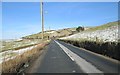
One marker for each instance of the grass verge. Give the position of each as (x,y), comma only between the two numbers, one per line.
(109,49)
(14,65)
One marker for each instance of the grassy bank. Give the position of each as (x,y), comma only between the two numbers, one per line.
(14,65)
(15,45)
(103,27)
(110,49)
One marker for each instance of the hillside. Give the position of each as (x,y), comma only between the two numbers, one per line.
(103,33)
(106,32)
(52,33)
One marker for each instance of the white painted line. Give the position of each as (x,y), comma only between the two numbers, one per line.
(104,57)
(82,63)
(68,54)
(70,57)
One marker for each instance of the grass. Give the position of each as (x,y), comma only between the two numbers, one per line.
(9,54)
(102,27)
(85,39)
(93,29)
(13,65)
(15,45)
(59,33)
(96,44)
(109,49)
(38,35)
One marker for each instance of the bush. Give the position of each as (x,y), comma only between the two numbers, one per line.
(110,49)
(80,29)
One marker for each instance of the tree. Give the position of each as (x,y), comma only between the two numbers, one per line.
(78,29)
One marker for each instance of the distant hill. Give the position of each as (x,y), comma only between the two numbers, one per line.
(69,31)
(104,33)
(104,26)
(52,33)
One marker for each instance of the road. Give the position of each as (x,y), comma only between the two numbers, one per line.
(61,57)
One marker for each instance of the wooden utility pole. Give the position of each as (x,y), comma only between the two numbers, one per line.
(49,28)
(42,19)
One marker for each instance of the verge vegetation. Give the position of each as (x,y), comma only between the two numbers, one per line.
(102,39)
(109,49)
(14,65)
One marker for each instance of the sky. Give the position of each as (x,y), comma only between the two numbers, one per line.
(23,18)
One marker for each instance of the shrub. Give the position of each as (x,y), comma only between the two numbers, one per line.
(80,29)
(110,49)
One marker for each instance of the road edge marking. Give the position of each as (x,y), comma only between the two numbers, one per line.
(85,65)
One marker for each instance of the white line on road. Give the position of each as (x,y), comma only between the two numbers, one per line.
(83,64)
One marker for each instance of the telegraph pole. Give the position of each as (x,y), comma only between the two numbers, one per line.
(49,28)
(42,19)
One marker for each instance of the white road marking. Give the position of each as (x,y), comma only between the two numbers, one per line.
(82,63)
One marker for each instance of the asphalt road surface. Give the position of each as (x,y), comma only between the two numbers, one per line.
(61,57)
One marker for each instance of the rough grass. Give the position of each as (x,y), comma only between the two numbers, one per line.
(37,36)
(102,27)
(58,33)
(24,47)
(13,65)
(9,55)
(110,49)
(15,45)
